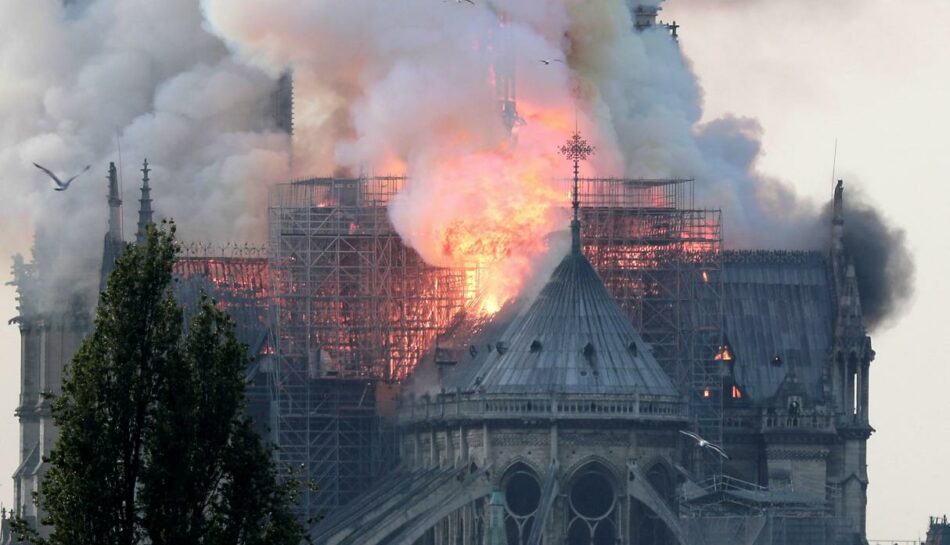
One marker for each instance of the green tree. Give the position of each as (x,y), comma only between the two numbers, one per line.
(153,445)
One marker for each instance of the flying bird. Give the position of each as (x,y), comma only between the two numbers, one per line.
(546,61)
(460,1)
(60,185)
(702,443)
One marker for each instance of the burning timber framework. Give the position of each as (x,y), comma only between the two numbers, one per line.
(661,259)
(352,305)
(236,278)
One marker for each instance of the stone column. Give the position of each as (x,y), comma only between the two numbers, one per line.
(449,448)
(865,391)
(849,404)
(486,444)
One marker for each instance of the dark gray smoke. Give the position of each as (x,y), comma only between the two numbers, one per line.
(882,260)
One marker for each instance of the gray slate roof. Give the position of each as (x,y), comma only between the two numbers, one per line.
(778,303)
(542,349)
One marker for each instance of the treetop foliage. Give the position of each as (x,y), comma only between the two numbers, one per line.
(153,445)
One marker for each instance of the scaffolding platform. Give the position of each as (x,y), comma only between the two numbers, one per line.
(351,302)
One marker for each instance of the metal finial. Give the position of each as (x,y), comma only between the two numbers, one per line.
(145,170)
(576,149)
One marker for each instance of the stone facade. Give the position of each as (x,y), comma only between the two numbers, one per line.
(488,457)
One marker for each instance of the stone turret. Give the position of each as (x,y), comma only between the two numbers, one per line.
(113,244)
(643,16)
(850,372)
(145,205)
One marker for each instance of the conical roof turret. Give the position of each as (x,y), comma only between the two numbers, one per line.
(572,339)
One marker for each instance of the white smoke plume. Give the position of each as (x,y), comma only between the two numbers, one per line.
(408,87)
(412,87)
(80,80)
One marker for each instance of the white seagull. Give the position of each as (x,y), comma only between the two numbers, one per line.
(702,443)
(61,185)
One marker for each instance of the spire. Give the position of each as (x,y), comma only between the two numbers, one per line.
(849,317)
(115,205)
(145,205)
(113,244)
(837,220)
(576,149)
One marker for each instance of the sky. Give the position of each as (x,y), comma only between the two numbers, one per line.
(873,75)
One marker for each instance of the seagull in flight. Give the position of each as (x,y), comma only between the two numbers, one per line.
(702,443)
(546,61)
(60,185)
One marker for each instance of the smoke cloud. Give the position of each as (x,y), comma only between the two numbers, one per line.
(82,80)
(411,87)
(883,263)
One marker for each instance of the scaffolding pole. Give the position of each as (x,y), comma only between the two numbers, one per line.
(352,305)
(661,259)
(352,302)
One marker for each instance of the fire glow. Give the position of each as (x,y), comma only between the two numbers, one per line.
(491,210)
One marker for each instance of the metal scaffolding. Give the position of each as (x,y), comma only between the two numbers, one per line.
(340,444)
(723,509)
(351,302)
(351,299)
(662,260)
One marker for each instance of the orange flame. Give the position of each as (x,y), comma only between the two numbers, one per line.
(493,209)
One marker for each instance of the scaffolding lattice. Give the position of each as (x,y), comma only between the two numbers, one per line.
(351,302)
(661,259)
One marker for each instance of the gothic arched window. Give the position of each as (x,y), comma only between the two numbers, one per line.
(522,492)
(593,506)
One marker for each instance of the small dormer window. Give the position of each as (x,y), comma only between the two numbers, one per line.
(535,346)
(794,405)
(632,347)
(501,347)
(472,350)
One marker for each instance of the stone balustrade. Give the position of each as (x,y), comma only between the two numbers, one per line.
(606,407)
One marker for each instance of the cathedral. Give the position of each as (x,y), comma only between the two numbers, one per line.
(554,422)
(556,419)
(657,390)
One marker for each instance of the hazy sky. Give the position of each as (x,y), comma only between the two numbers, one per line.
(874,74)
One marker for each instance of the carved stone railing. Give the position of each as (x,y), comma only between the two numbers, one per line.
(785,421)
(500,407)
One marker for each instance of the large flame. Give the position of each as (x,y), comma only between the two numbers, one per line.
(491,210)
